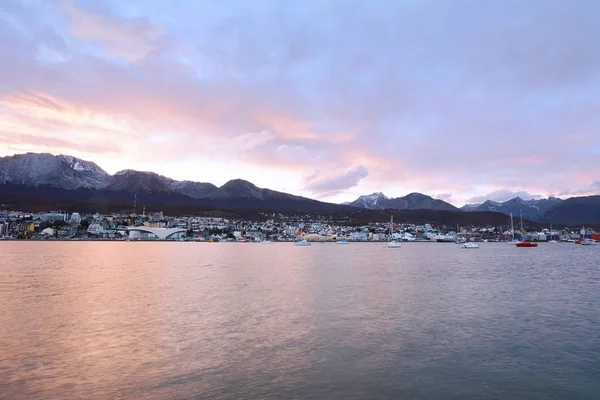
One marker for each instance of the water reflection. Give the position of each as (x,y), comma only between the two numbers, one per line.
(180,320)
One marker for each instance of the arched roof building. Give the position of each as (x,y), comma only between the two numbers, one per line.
(160,233)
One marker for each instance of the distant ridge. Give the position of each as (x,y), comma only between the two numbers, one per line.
(534,210)
(42,182)
(412,201)
(36,180)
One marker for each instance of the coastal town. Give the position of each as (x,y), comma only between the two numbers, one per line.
(60,225)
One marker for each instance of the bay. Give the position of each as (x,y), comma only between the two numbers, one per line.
(157,320)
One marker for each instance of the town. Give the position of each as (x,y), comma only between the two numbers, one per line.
(60,225)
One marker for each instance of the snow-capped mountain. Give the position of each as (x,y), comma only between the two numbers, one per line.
(419,201)
(488,205)
(67,172)
(412,201)
(45,182)
(373,201)
(26,178)
(470,207)
(533,210)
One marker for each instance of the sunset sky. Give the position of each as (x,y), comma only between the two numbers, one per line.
(462,100)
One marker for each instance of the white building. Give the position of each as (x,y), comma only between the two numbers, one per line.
(54,216)
(75,219)
(48,232)
(95,229)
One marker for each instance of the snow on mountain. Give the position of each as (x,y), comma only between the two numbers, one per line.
(373,201)
(412,201)
(67,172)
(533,210)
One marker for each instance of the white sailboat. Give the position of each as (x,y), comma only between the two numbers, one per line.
(393,244)
(552,236)
(524,243)
(512,231)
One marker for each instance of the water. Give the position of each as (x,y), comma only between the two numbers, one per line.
(102,320)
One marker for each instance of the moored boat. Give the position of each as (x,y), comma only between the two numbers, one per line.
(470,245)
(526,244)
(445,239)
(393,244)
(302,243)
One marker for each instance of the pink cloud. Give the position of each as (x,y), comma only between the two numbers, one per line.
(131,39)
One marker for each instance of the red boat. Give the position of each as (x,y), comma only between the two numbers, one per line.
(526,244)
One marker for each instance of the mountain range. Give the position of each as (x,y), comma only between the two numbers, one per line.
(412,201)
(576,210)
(36,182)
(533,210)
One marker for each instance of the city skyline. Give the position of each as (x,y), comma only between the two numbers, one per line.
(330,100)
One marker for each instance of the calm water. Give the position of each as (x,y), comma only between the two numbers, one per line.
(249,321)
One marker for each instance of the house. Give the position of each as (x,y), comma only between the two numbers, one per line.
(48,232)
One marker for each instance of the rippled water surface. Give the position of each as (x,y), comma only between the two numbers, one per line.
(102,320)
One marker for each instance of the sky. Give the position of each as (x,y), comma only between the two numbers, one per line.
(463,100)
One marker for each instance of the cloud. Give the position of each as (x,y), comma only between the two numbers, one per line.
(330,185)
(503,195)
(443,196)
(129,38)
(592,189)
(475,101)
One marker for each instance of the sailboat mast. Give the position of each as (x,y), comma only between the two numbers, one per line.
(521,211)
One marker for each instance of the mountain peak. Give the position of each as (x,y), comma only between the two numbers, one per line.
(240,188)
(44,169)
(417,194)
(373,201)
(239,182)
(412,201)
(534,209)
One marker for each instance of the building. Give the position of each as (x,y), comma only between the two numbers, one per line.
(95,229)
(359,235)
(48,232)
(75,219)
(54,216)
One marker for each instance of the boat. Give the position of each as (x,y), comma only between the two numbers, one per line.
(342,242)
(588,242)
(526,244)
(459,239)
(302,243)
(469,245)
(445,239)
(393,244)
(512,231)
(266,242)
(552,241)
